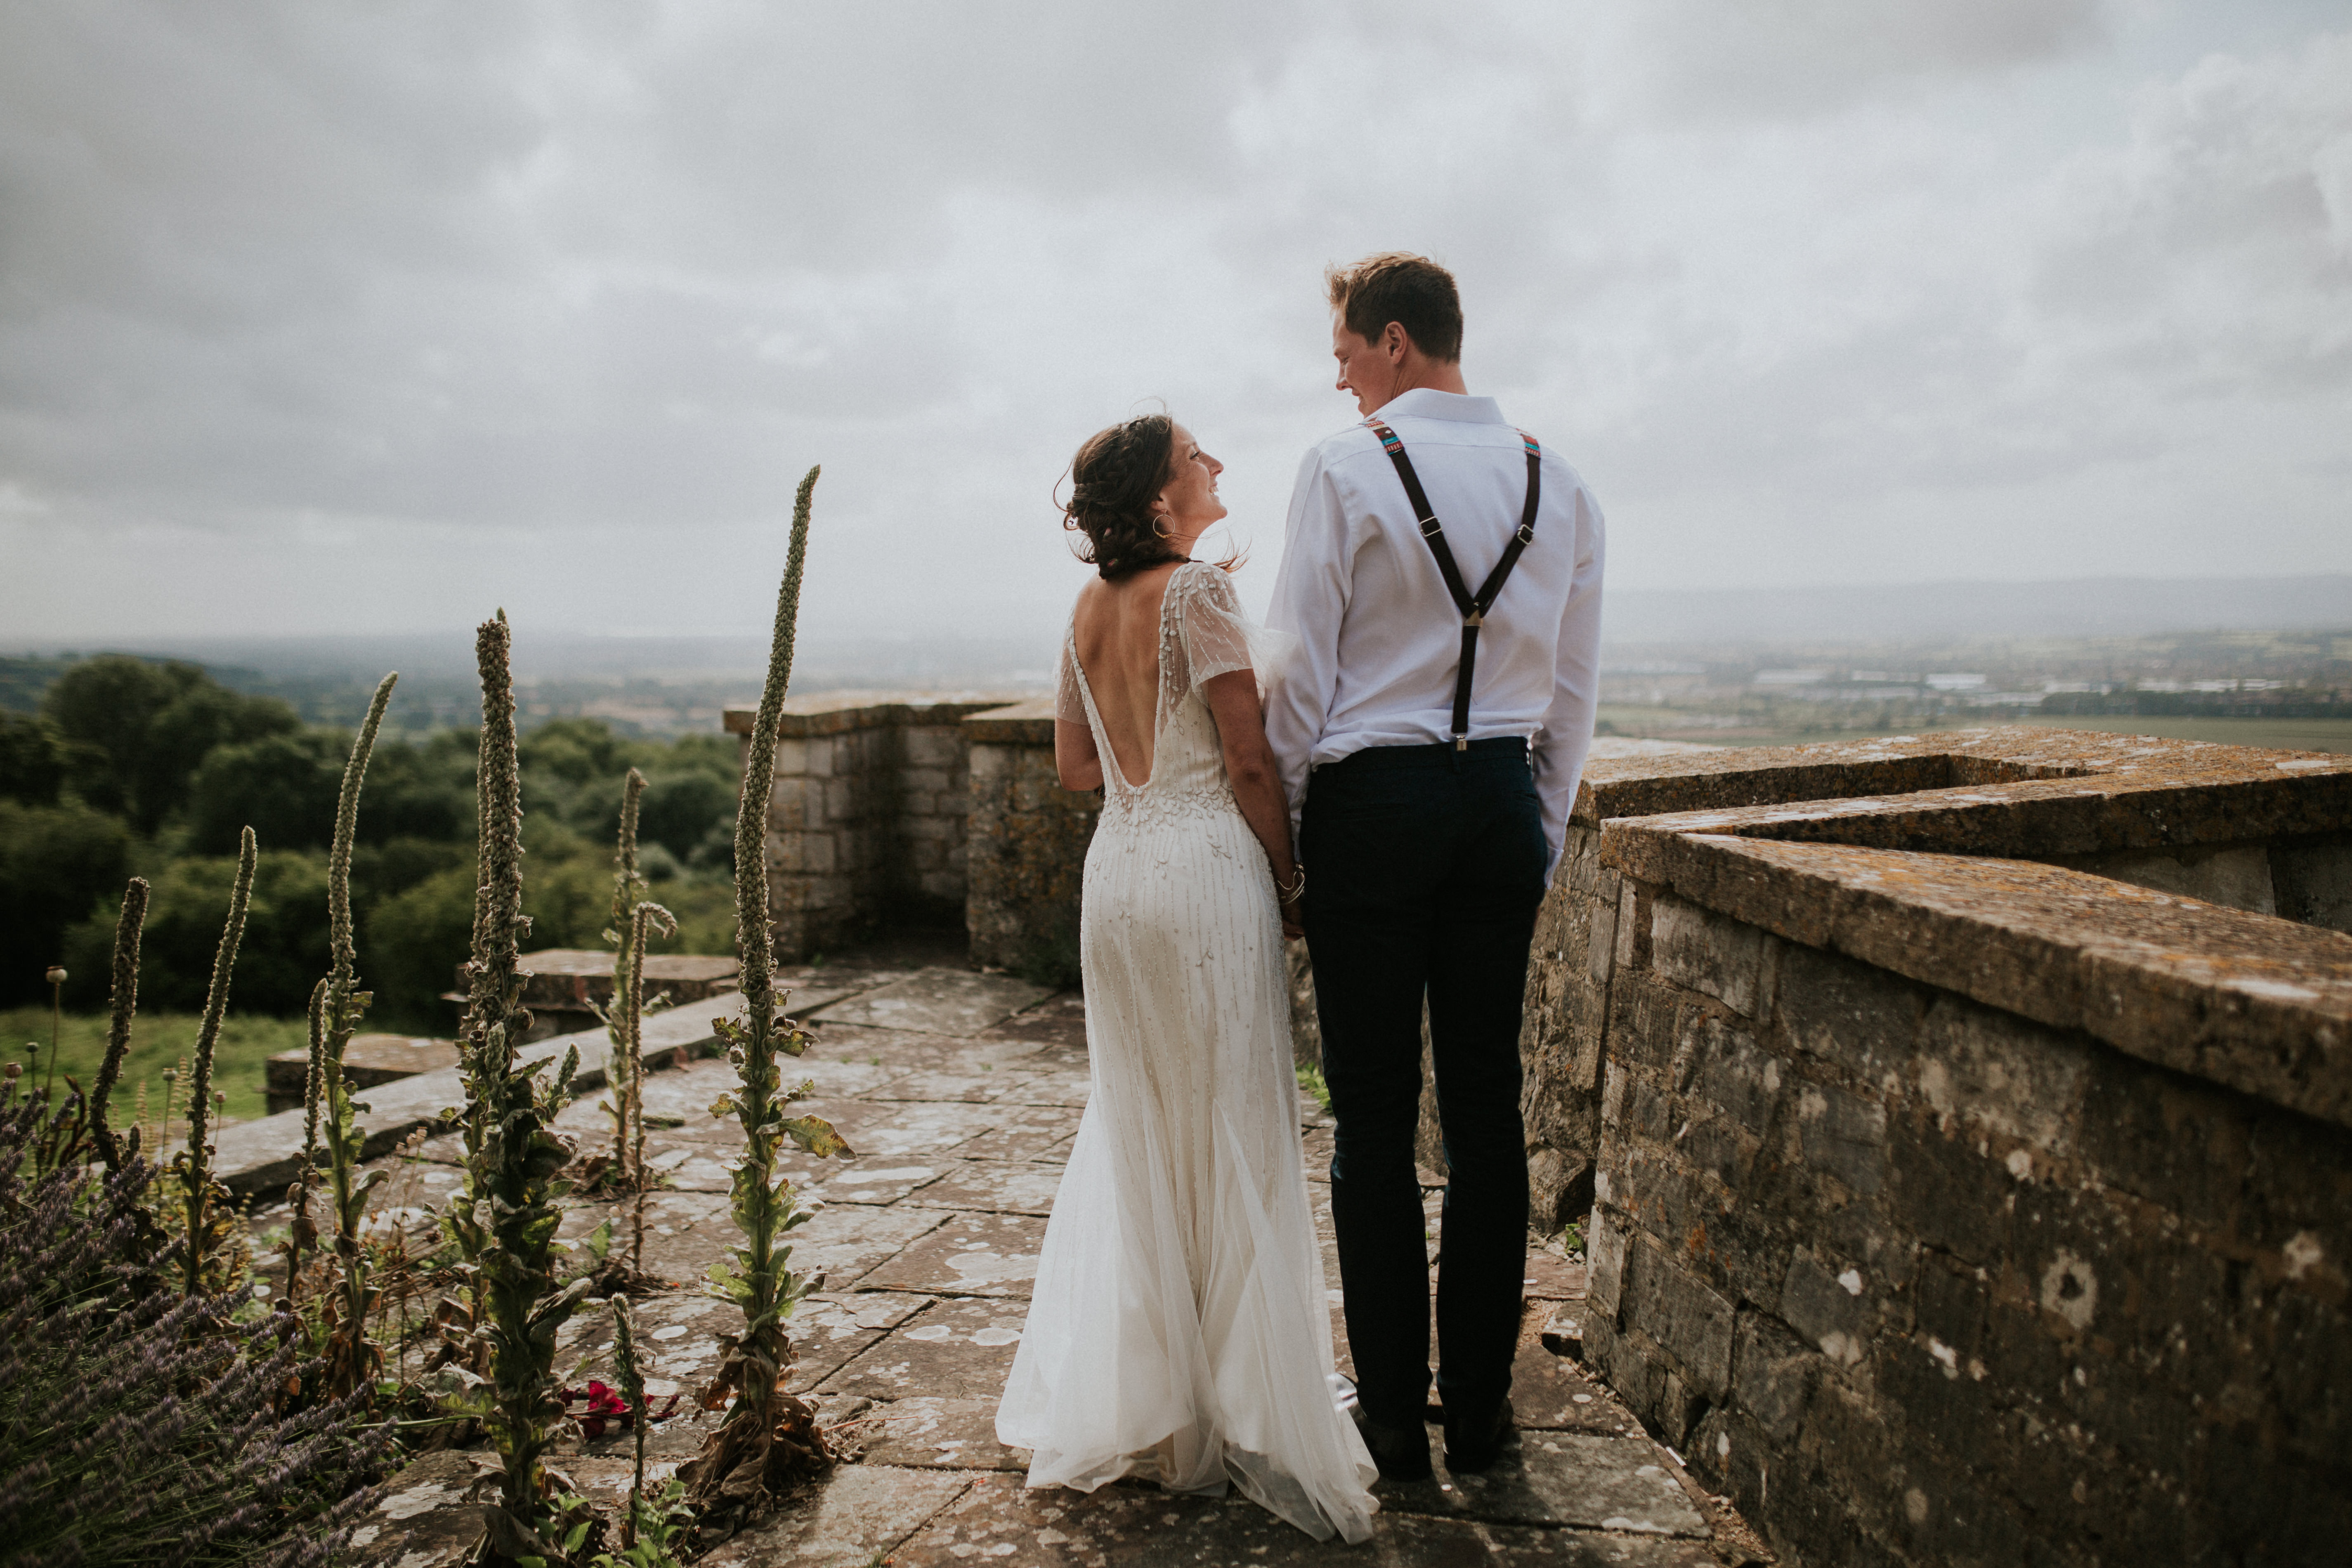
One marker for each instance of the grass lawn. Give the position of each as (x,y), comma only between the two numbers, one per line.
(158,1040)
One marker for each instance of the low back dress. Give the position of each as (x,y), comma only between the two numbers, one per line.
(1179,1329)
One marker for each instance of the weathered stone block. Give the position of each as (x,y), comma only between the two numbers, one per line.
(1844,1135)
(934,746)
(1772,1374)
(1990,1071)
(1695,947)
(803,852)
(924,783)
(1731,1072)
(1605,1257)
(791,758)
(1826,1309)
(1677,1310)
(2312,880)
(1861,1020)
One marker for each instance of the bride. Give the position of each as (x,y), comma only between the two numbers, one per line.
(1179,1330)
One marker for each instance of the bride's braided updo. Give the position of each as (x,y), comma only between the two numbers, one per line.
(1114,480)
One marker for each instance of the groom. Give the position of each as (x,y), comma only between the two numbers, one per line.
(1442,571)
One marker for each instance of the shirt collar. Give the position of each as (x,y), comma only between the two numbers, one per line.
(1427,403)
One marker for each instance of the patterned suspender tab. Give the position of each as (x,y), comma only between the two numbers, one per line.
(1473,607)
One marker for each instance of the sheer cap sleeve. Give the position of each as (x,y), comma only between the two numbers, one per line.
(1069,702)
(1218,636)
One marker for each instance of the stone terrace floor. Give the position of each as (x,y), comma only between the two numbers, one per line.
(961,1092)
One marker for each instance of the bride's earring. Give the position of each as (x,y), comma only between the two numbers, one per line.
(1158,529)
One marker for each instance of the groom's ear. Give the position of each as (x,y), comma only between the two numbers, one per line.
(1395,341)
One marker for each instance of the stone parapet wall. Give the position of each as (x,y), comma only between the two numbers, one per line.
(1025,846)
(1957,1200)
(866,817)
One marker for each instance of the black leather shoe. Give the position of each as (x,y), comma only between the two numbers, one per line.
(1401,1452)
(1476,1444)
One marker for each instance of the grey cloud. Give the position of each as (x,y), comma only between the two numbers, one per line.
(551,306)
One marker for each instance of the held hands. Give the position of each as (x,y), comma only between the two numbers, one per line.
(1291,895)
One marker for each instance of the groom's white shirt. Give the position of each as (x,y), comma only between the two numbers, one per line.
(1379,636)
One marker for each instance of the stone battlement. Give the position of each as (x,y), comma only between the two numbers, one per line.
(928,809)
(1966,1125)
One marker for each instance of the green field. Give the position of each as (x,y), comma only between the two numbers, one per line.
(2278,734)
(157,1041)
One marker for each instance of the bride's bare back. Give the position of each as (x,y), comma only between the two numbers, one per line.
(1118,629)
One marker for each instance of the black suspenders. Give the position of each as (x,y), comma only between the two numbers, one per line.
(1473,607)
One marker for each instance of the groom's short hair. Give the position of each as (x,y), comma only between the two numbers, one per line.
(1397,285)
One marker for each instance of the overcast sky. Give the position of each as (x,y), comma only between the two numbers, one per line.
(373,317)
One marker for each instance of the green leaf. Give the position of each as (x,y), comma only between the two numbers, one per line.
(817,1135)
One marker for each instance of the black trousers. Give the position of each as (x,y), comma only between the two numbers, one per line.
(1426,871)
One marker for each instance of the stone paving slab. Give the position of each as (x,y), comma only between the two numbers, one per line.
(939,1002)
(854,1520)
(1057,1086)
(970,1255)
(939,1054)
(847,1242)
(999,1520)
(1562,1479)
(985,1087)
(1550,1392)
(1551,1278)
(952,1350)
(1021,1132)
(1058,1020)
(938,1434)
(1515,1547)
(1003,1186)
(920,1127)
(875,1179)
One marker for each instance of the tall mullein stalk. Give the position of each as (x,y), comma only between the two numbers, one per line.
(504,1223)
(125,1006)
(632,1049)
(302,1231)
(210,1222)
(633,1389)
(628,961)
(769,1437)
(352,1358)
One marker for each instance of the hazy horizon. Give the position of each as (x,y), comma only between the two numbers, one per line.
(364,321)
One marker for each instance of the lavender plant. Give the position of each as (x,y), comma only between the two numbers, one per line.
(354,1359)
(506,1219)
(138,1425)
(770,1437)
(211,1223)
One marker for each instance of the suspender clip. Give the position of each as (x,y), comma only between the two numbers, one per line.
(1475,618)
(1461,742)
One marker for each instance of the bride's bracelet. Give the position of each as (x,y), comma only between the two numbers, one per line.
(1296,889)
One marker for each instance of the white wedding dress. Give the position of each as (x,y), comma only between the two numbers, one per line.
(1179,1330)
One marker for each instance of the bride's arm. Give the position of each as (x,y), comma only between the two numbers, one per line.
(1075,757)
(1250,767)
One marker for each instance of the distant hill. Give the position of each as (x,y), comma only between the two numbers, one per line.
(1954,612)
(328,678)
